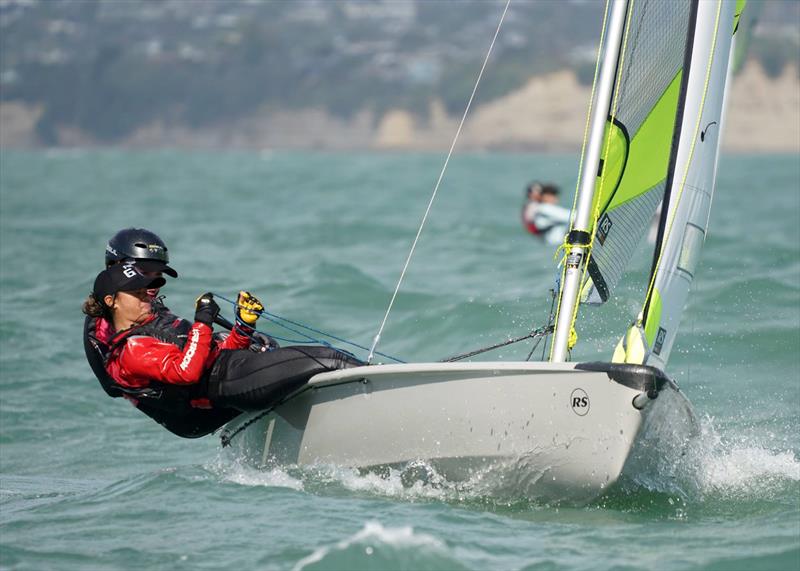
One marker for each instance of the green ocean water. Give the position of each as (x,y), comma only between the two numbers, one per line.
(87,482)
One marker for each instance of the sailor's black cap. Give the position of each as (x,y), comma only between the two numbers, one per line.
(127,276)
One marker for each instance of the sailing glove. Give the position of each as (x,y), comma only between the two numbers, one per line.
(206,309)
(248,309)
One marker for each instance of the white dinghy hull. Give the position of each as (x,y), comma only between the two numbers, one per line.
(556,430)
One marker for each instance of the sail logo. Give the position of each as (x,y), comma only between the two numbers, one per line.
(704,131)
(579,401)
(660,338)
(603,228)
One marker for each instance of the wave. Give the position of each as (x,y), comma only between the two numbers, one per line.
(379,547)
(711,474)
(708,474)
(242,474)
(739,469)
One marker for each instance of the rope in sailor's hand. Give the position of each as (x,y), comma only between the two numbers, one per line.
(297,327)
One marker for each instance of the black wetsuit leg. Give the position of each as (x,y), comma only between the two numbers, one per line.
(250,381)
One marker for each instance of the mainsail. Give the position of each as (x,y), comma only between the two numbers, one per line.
(644,108)
(659,146)
(687,205)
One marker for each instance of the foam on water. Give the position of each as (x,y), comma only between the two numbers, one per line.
(417,481)
(709,468)
(706,468)
(508,485)
(372,542)
(424,482)
(231,470)
(738,468)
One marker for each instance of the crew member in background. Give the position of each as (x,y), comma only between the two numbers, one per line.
(177,367)
(541,214)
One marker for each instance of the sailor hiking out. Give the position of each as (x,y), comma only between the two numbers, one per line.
(177,372)
(150,253)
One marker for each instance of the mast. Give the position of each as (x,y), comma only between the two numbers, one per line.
(580,232)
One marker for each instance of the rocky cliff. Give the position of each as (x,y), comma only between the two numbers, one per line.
(546,114)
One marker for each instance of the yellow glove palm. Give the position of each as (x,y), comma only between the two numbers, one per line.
(249,308)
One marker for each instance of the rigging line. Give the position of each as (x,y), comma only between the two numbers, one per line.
(535,344)
(534,334)
(377,338)
(550,318)
(277,319)
(227,435)
(308,337)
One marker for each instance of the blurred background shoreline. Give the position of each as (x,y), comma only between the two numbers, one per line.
(344,75)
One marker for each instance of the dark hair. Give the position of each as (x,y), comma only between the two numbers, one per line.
(94,308)
(534,186)
(550,188)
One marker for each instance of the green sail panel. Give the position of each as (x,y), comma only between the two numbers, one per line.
(639,137)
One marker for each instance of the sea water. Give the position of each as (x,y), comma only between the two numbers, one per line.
(87,482)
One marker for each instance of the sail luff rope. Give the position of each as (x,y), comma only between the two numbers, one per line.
(436,187)
(564,248)
(674,211)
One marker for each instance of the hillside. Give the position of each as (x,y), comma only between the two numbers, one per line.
(340,74)
(547,114)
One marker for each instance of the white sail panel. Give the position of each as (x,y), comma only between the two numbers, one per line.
(687,204)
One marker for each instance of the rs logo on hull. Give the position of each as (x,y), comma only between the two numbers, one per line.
(579,401)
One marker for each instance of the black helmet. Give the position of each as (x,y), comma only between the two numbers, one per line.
(137,244)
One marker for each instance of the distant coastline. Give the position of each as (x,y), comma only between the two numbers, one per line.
(547,114)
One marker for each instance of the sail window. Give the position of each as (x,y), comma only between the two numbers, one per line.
(693,238)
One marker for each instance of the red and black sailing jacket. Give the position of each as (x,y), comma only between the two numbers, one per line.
(528,220)
(180,408)
(164,351)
